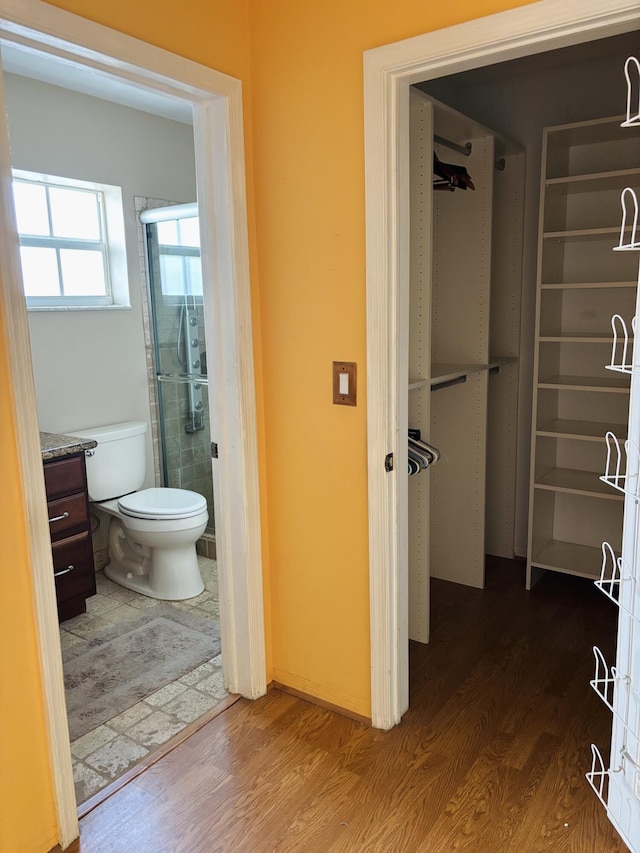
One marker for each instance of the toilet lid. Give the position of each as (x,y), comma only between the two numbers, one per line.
(162,503)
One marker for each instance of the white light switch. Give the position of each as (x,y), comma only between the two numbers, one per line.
(344,383)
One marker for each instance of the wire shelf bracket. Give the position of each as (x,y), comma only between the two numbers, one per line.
(622,352)
(626,482)
(629,229)
(605,681)
(614,575)
(598,777)
(632,73)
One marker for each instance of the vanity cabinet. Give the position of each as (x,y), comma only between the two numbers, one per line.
(70,528)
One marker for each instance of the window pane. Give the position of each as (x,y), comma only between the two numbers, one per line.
(172,275)
(74,213)
(168,233)
(31,209)
(82,272)
(194,272)
(39,271)
(189,232)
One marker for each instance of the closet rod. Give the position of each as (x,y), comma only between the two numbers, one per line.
(449,382)
(466,149)
(461,149)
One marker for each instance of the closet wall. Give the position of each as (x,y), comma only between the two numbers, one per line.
(463,346)
(519,99)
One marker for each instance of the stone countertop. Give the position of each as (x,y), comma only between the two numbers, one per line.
(56,446)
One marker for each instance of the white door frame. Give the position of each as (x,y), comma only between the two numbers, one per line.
(389,71)
(219,151)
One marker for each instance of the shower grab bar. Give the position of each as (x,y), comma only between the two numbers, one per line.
(182,378)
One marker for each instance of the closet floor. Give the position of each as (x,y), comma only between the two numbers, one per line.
(490,757)
(107,751)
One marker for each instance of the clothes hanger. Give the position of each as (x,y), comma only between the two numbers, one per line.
(451,176)
(420,446)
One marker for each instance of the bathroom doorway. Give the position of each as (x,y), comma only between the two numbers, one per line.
(138,670)
(176,354)
(123,64)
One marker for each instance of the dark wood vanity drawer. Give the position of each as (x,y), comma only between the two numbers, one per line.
(64,476)
(73,566)
(67,513)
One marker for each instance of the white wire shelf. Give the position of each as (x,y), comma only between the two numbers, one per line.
(599,777)
(622,346)
(629,229)
(601,781)
(616,581)
(605,682)
(624,478)
(632,74)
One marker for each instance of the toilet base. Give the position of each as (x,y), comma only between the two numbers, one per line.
(173,575)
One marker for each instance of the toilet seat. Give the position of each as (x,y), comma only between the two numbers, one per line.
(163,503)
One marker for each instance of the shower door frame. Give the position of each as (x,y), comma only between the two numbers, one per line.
(221,188)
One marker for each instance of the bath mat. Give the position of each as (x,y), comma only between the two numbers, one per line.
(128,662)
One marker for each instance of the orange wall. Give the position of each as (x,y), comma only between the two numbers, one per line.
(27,816)
(307,89)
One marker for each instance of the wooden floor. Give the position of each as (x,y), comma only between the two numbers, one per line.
(490,757)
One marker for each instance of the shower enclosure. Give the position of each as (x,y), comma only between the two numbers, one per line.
(172,243)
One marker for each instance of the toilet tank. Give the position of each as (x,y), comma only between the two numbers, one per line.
(118,464)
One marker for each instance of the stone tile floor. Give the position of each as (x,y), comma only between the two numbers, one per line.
(105,753)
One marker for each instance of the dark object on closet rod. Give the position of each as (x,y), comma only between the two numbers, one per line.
(448,383)
(461,149)
(421,454)
(500,164)
(450,176)
(495,369)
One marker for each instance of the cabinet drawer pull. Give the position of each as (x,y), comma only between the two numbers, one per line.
(64,571)
(59,517)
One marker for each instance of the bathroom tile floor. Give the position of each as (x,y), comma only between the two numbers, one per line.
(102,755)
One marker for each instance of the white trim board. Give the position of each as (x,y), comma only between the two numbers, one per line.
(388,73)
(219,144)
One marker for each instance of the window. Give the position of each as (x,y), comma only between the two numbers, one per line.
(179,249)
(71,242)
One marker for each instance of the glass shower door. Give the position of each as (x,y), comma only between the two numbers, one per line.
(175,279)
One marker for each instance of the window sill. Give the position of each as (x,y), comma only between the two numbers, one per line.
(37,308)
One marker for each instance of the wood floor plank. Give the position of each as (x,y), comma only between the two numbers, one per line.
(489,758)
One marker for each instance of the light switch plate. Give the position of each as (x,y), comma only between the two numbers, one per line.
(344,383)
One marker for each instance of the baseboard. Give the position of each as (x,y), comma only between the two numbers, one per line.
(322,703)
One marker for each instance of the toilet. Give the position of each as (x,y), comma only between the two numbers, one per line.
(152,532)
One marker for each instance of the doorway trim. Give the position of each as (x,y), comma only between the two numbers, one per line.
(389,71)
(221,189)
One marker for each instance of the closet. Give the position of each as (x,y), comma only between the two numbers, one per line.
(582,240)
(581,282)
(464,342)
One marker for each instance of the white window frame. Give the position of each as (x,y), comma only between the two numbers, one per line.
(112,244)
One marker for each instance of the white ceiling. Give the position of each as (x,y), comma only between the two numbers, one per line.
(40,66)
